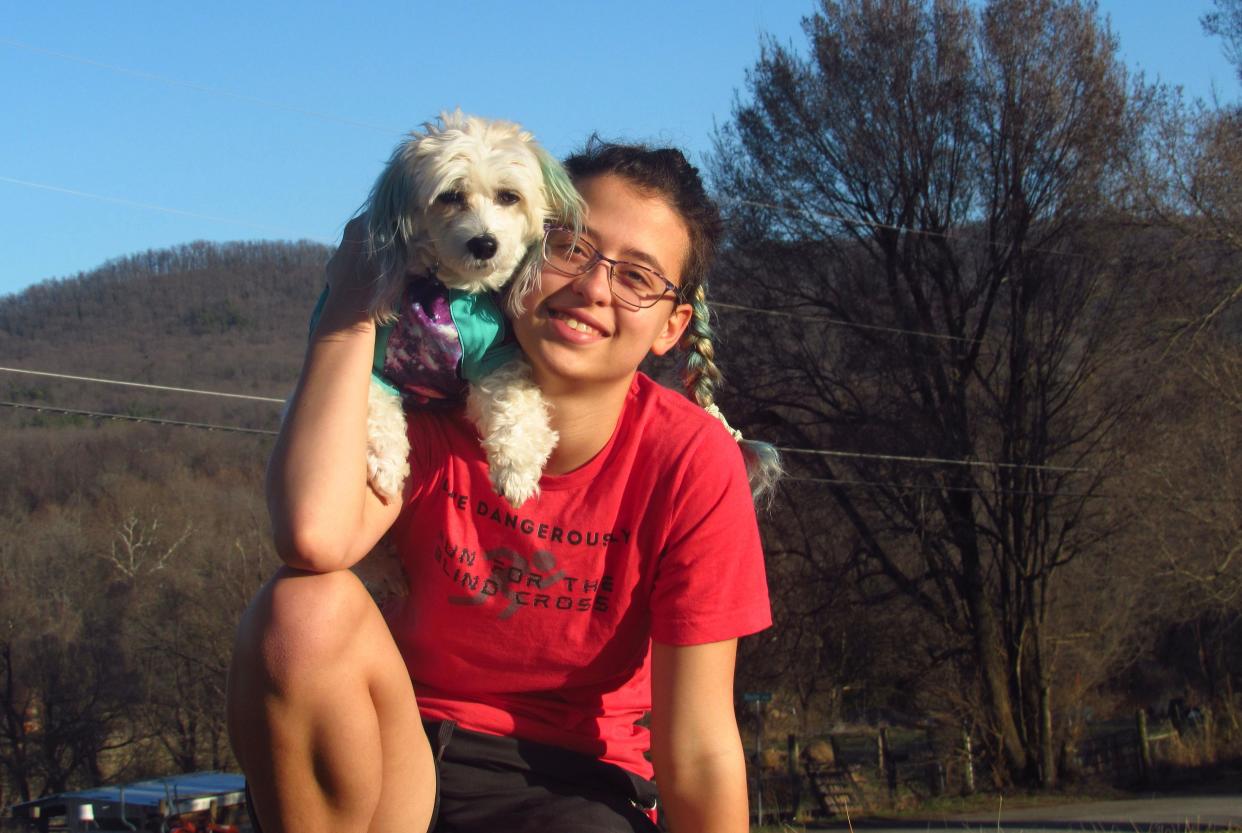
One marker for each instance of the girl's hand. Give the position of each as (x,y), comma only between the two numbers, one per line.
(351,278)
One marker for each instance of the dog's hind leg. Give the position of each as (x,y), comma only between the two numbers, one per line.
(388,447)
(512,417)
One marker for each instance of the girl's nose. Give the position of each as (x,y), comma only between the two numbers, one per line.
(594,284)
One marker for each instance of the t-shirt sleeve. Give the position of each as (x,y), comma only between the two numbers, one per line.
(710,583)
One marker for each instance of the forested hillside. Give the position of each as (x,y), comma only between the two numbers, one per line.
(229,317)
(128,549)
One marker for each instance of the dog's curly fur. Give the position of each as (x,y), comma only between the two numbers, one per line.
(465,201)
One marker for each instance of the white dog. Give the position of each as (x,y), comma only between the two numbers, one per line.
(459,210)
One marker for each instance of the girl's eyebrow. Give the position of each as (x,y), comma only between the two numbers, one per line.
(629,254)
(638,254)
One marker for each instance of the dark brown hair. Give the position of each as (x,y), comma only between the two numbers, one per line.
(667,173)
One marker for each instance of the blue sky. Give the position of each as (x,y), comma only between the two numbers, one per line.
(271,120)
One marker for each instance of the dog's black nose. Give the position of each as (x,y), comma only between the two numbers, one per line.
(482,247)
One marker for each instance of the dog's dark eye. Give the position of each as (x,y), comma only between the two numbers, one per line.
(451,198)
(508,198)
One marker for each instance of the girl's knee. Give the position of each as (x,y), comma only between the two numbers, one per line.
(304,624)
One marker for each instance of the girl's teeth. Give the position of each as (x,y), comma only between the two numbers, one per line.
(575,324)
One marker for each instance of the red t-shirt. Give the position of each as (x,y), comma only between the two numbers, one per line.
(537,622)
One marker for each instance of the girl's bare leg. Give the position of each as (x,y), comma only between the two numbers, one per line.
(322,714)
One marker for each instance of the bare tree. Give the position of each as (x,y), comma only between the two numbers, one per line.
(1225,21)
(1186,183)
(138,548)
(917,208)
(65,690)
(1185,180)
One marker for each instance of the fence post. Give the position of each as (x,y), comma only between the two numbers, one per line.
(881,752)
(885,755)
(1144,747)
(795,783)
(759,763)
(968,768)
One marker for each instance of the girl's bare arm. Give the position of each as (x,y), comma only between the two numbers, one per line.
(695,745)
(324,515)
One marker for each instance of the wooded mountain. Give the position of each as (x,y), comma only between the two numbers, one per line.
(229,317)
(128,550)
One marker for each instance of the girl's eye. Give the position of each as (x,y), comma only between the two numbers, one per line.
(632,275)
(451,198)
(568,248)
(508,198)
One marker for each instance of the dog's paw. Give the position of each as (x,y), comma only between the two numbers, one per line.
(388,448)
(514,484)
(513,422)
(386,475)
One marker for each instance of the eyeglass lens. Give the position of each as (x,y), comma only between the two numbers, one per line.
(630,282)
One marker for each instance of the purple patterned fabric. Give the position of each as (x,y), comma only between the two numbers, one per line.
(424,350)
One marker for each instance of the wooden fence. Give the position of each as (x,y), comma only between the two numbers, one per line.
(857,773)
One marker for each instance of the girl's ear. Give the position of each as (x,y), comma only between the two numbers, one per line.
(673,329)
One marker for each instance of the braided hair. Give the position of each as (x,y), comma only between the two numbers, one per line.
(665,172)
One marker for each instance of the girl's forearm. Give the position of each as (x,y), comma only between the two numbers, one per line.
(317,478)
(317,489)
(706,796)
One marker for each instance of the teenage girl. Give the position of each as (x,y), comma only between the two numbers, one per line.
(504,693)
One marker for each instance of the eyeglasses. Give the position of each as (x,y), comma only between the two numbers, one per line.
(633,285)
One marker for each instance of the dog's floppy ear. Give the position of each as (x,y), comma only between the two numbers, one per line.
(393,227)
(565,207)
(565,204)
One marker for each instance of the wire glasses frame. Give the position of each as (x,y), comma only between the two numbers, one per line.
(631,283)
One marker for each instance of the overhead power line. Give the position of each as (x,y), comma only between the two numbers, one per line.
(928,487)
(146,206)
(140,385)
(47,409)
(935,487)
(200,88)
(859,221)
(840,322)
(815,451)
(872,484)
(899,458)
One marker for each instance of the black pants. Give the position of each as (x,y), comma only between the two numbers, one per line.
(489,784)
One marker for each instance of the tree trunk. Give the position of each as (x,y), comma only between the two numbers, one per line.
(1047,754)
(996,691)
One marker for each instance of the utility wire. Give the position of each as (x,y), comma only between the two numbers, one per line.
(926,487)
(43,186)
(140,385)
(318,114)
(823,319)
(44,409)
(929,487)
(201,88)
(874,484)
(819,452)
(929,460)
(859,221)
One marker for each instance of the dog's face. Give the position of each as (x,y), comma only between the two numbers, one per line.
(488,207)
(478,191)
